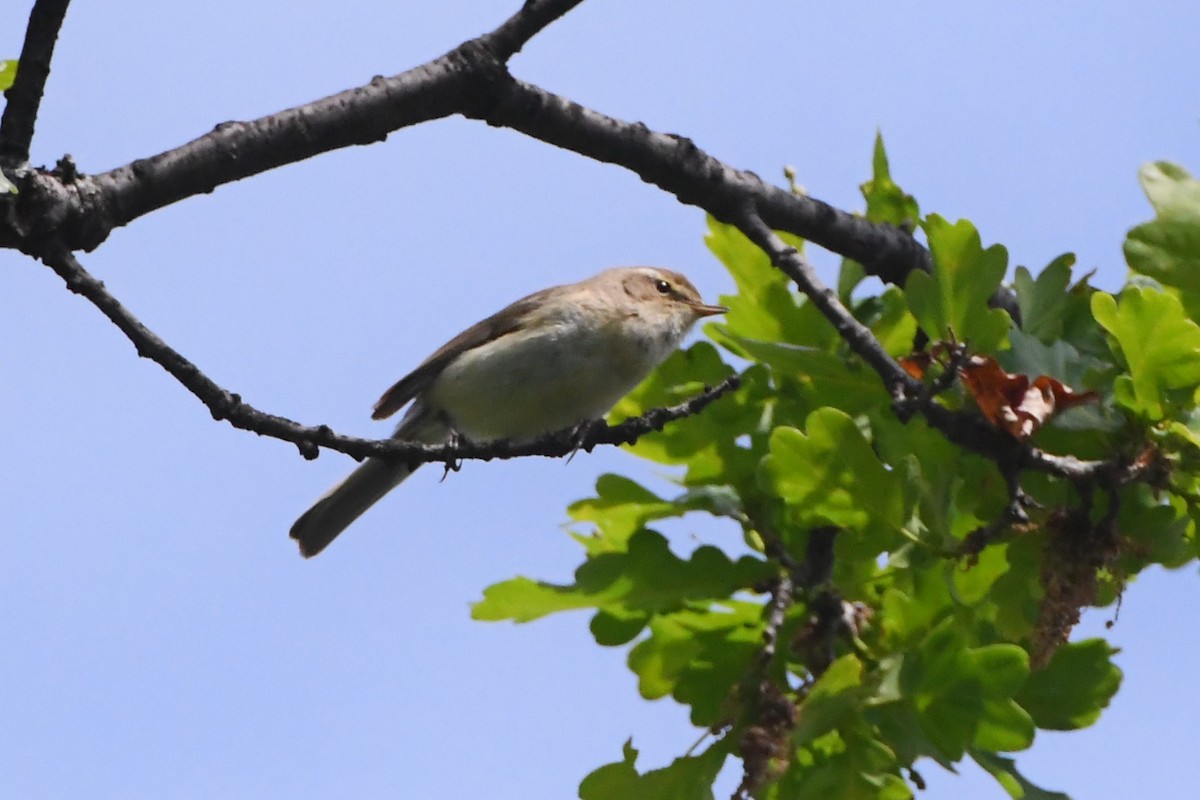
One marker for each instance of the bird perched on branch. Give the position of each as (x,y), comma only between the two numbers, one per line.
(550,361)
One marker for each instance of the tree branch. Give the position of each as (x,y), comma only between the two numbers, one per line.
(966,430)
(787,259)
(507,40)
(228,406)
(25,95)
(82,210)
(60,211)
(236,150)
(472,80)
(676,165)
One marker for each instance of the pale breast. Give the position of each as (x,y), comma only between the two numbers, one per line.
(532,382)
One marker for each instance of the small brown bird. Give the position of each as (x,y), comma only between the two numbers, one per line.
(557,358)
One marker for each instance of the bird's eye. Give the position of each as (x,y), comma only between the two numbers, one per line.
(664,287)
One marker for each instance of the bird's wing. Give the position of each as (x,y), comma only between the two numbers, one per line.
(512,318)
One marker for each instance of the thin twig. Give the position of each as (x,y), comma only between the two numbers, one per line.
(77,211)
(781,601)
(818,640)
(507,40)
(966,430)
(226,405)
(1013,513)
(856,335)
(25,95)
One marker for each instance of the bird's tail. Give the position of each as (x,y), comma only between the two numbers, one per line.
(345,503)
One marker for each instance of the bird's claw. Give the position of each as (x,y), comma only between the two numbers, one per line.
(452,464)
(580,434)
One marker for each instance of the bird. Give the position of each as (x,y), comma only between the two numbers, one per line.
(555,359)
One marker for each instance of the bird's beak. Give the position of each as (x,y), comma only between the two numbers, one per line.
(705,310)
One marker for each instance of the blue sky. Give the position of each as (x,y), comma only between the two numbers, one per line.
(162,637)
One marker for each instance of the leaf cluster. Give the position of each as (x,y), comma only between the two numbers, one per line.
(870,595)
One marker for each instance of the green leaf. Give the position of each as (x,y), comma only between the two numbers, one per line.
(1031,356)
(1004,668)
(899,725)
(894,326)
(887,202)
(955,491)
(681,376)
(952,299)
(1157,531)
(8,73)
(1079,325)
(1072,690)
(831,476)
(1004,770)
(684,375)
(850,765)
(613,626)
(972,581)
(649,577)
(523,599)
(907,616)
(697,656)
(850,275)
(963,694)
(1159,343)
(1003,726)
(834,698)
(687,778)
(1017,593)
(1043,301)
(827,377)
(765,306)
(620,509)
(1168,247)
(948,707)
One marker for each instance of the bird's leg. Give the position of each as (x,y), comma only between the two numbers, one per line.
(580,433)
(454,439)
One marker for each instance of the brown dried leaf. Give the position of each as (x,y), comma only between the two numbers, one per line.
(1011,402)
(916,365)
